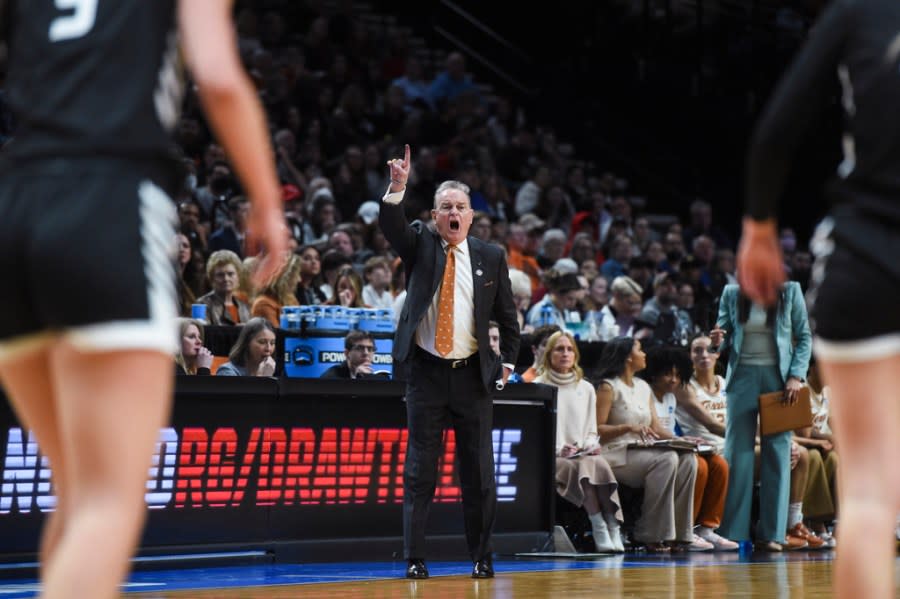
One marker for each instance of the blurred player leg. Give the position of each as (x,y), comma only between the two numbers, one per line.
(111,407)
(867,416)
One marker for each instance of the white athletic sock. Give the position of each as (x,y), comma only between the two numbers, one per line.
(795,514)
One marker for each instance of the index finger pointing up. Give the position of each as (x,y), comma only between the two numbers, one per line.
(406,157)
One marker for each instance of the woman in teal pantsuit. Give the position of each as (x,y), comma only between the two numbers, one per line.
(769,351)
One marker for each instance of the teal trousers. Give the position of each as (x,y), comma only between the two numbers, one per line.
(742,414)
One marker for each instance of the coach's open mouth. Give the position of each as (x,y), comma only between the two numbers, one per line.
(454,225)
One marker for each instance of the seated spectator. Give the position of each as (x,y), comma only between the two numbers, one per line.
(597,296)
(279,293)
(191,357)
(671,324)
(538,345)
(529,193)
(186,296)
(359,349)
(481,226)
(641,271)
(566,265)
(655,255)
(563,294)
(323,215)
(341,240)
(555,207)
(348,290)
(521,290)
(617,261)
(589,270)
(701,223)
(517,256)
(308,292)
(643,234)
(191,227)
(820,494)
(585,480)
(666,368)
(452,82)
(617,318)
(553,246)
(222,307)
(626,415)
(333,262)
(376,292)
(245,290)
(251,354)
(494,336)
(414,85)
(582,249)
(233,236)
(398,288)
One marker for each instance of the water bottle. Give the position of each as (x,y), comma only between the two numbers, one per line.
(198,312)
(293,316)
(593,330)
(386,319)
(353,317)
(546,314)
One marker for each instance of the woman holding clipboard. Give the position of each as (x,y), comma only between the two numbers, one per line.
(769,350)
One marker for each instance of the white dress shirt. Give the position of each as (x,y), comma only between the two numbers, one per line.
(465,342)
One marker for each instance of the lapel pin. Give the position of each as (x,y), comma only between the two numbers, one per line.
(479,272)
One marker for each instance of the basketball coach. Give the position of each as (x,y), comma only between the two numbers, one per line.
(456,285)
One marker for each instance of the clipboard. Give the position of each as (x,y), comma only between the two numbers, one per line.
(778,417)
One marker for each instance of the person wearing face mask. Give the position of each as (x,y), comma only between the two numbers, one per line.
(456,284)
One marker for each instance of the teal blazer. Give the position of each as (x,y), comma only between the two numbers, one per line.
(792,335)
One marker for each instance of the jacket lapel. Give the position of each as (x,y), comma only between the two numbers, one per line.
(440,261)
(476,259)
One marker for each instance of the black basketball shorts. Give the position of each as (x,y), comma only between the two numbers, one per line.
(853,300)
(87,251)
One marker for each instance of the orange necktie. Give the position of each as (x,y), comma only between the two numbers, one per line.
(443,334)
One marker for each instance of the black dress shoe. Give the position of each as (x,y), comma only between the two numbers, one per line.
(483,569)
(415,568)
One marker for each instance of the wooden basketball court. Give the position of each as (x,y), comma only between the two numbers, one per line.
(688,577)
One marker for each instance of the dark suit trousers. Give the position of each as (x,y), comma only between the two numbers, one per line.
(438,396)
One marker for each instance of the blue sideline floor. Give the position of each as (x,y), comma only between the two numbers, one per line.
(293,574)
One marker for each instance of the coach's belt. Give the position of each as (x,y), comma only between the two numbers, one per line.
(453,364)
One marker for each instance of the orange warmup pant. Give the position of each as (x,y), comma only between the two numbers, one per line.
(710,489)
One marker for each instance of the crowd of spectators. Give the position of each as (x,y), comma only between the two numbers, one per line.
(584,255)
(341,99)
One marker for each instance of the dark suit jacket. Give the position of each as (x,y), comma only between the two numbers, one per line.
(423,258)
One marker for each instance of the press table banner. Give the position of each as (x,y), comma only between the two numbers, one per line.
(256,460)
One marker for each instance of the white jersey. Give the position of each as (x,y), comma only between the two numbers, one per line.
(714,403)
(665,411)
